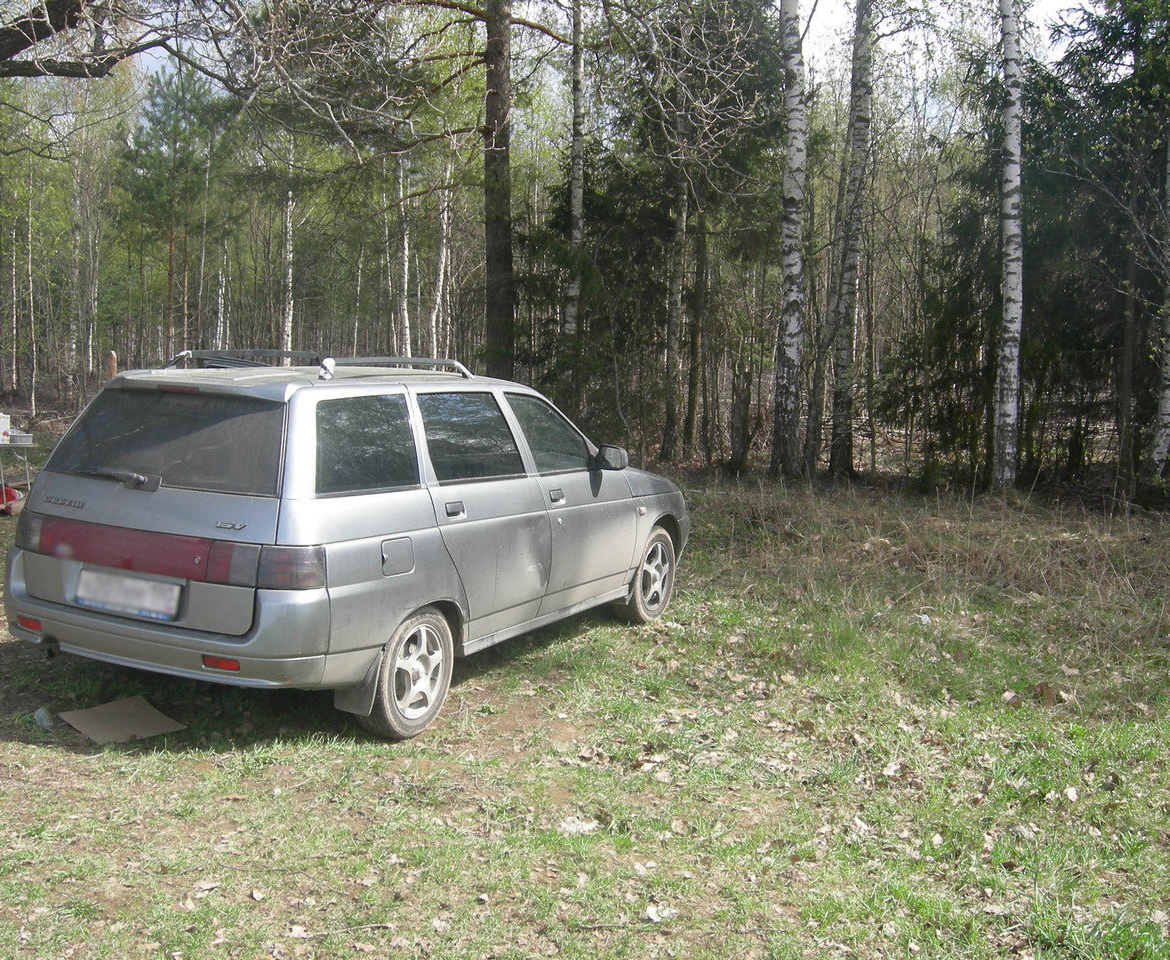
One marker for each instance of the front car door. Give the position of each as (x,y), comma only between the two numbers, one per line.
(593,517)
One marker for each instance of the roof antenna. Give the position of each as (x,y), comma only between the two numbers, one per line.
(326,371)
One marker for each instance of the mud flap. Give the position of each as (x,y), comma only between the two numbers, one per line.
(359,699)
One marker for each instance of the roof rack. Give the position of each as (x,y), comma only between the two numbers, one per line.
(405,362)
(239,358)
(223,359)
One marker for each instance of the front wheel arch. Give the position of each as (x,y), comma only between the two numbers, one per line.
(653,583)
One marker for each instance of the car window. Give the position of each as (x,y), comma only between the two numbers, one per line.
(364,443)
(555,443)
(193,441)
(468,437)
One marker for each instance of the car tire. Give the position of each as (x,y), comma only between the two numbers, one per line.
(653,581)
(413,678)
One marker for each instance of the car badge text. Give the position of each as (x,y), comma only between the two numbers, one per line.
(62,502)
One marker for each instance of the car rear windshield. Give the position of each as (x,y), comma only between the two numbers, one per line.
(225,444)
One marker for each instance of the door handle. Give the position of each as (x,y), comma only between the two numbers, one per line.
(557,496)
(455,509)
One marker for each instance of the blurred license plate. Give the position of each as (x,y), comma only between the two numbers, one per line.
(155,599)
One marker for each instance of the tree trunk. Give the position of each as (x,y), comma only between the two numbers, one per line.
(220,339)
(439,293)
(1160,442)
(203,246)
(576,181)
(786,460)
(387,257)
(500,287)
(698,320)
(842,319)
(404,286)
(32,317)
(1007,381)
(77,295)
(675,315)
(15,307)
(739,417)
(286,322)
(814,431)
(1125,460)
(357,299)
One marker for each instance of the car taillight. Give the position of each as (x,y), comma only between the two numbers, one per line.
(28,531)
(172,555)
(233,563)
(291,568)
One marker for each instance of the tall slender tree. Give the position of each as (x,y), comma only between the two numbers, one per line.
(500,283)
(843,303)
(786,458)
(1007,381)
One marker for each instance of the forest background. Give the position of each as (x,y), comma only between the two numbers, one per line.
(591,197)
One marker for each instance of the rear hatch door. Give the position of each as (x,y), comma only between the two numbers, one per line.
(154,505)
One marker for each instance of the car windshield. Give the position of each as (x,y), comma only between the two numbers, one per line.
(224,444)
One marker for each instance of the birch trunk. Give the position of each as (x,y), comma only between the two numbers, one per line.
(786,459)
(76,297)
(203,244)
(15,307)
(357,300)
(220,340)
(843,319)
(286,321)
(1160,442)
(576,180)
(438,295)
(1007,381)
(32,317)
(404,286)
(387,259)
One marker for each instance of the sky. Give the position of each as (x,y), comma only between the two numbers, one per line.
(832,19)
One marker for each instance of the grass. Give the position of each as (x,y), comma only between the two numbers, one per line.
(872,725)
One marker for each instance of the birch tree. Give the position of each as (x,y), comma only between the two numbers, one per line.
(843,303)
(786,458)
(1007,381)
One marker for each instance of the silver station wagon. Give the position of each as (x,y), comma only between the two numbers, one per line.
(351,525)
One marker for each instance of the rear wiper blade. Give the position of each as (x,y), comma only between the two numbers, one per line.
(135,481)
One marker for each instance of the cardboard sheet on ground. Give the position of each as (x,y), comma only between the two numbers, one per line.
(121,720)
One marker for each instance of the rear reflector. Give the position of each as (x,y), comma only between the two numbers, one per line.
(29,624)
(221,663)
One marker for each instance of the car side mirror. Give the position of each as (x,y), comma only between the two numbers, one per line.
(610,457)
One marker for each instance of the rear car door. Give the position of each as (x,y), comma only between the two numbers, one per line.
(592,514)
(490,512)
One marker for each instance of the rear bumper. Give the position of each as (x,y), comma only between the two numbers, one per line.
(285,648)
